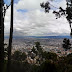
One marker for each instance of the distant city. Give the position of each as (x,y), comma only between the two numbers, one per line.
(48,43)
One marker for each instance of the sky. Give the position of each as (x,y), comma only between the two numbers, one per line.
(31,20)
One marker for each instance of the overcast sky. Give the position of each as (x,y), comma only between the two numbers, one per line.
(31,20)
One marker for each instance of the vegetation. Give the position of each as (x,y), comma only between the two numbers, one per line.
(48,62)
(61,64)
(1,37)
(66,44)
(10,38)
(3,9)
(19,56)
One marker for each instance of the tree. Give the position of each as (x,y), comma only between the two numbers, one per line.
(66,44)
(2,15)
(16,55)
(38,46)
(47,66)
(34,50)
(67,12)
(10,38)
(49,56)
(1,37)
(19,56)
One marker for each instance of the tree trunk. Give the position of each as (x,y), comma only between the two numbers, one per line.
(10,39)
(1,37)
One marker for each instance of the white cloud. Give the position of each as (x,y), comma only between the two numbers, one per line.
(29,4)
(36,22)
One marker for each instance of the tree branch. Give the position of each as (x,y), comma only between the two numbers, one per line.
(7,6)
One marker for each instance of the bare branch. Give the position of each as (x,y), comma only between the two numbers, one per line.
(7,6)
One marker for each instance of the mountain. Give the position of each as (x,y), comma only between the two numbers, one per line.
(41,37)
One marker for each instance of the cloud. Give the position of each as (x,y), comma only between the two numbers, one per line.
(29,4)
(35,22)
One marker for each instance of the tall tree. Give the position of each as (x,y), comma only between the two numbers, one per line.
(10,38)
(1,37)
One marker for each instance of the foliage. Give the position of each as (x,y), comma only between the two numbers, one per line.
(37,49)
(38,46)
(43,55)
(49,56)
(19,56)
(34,50)
(66,44)
(17,66)
(62,64)
(47,66)
(52,62)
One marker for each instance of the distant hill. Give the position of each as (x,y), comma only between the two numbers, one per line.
(41,37)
